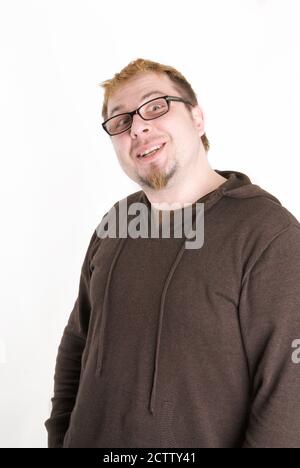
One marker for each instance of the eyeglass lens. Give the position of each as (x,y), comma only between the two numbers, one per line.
(148,111)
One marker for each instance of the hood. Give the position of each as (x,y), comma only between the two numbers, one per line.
(237,185)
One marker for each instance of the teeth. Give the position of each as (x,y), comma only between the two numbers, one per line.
(151,149)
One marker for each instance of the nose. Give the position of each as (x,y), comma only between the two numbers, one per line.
(139,126)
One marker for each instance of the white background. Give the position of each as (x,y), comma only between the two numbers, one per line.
(59,173)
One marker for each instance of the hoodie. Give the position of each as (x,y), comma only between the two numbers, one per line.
(173,347)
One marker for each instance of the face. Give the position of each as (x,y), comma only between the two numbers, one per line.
(179,131)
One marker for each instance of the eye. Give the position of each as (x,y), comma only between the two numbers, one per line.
(156,106)
(123,121)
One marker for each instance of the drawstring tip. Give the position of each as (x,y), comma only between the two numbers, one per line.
(98,371)
(151,406)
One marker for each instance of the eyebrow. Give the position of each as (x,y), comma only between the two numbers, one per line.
(151,93)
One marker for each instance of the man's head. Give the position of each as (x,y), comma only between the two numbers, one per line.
(181,129)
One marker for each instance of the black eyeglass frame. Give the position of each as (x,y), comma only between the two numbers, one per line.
(137,111)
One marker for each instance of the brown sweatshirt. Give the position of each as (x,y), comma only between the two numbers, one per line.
(174,347)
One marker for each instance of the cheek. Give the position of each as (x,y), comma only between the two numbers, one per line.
(123,155)
(176,132)
(122,151)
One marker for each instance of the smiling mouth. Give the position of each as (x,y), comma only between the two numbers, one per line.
(150,156)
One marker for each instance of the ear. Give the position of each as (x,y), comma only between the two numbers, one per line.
(198,119)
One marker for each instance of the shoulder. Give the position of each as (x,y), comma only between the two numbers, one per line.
(121,204)
(259,210)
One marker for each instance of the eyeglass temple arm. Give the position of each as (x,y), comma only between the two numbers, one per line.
(175,98)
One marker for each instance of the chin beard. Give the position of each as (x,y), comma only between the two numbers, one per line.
(156,179)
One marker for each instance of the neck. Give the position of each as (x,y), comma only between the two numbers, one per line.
(200,181)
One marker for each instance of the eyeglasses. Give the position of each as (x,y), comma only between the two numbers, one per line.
(148,111)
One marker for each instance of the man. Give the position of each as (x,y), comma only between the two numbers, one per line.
(174,347)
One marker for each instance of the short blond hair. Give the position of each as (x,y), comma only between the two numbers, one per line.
(141,66)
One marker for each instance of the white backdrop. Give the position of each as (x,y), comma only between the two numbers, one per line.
(59,173)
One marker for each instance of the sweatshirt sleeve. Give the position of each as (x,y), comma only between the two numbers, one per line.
(270,323)
(68,360)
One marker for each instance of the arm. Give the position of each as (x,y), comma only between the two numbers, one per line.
(68,361)
(270,324)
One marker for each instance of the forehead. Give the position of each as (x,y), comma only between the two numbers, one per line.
(131,93)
